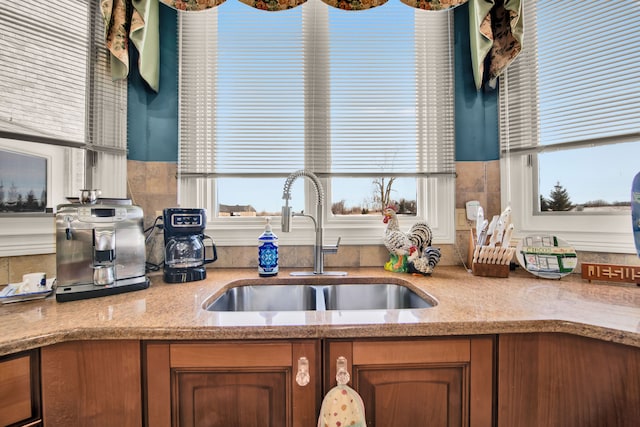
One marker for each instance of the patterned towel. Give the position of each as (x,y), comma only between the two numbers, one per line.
(138,21)
(496,30)
(342,407)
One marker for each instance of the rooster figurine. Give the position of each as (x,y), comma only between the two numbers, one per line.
(400,244)
(423,263)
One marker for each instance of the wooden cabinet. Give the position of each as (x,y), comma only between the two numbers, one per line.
(435,382)
(543,379)
(92,383)
(416,382)
(567,381)
(241,384)
(20,389)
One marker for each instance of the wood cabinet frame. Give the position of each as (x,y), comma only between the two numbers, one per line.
(20,389)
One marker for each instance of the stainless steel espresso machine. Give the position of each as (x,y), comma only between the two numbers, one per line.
(100,249)
(184,250)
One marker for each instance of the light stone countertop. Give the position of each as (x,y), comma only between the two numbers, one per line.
(466,305)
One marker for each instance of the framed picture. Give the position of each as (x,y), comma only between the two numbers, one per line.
(23,182)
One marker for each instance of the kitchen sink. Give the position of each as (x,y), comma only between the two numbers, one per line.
(269,296)
(266,298)
(372,297)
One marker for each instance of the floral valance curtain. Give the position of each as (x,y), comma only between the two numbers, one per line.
(496,30)
(276,5)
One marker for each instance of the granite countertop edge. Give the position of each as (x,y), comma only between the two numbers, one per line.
(466,305)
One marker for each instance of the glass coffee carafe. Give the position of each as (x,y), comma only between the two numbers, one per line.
(184,250)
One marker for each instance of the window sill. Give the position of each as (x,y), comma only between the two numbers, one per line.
(27,235)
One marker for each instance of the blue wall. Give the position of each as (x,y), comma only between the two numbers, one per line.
(153,118)
(476,111)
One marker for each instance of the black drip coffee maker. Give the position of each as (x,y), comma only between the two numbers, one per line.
(184,249)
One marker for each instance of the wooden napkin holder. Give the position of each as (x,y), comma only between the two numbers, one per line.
(490,270)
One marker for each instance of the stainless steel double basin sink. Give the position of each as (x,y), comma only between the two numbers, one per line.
(339,294)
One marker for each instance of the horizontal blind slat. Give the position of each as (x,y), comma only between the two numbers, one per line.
(43,68)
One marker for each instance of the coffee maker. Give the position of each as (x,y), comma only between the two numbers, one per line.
(100,248)
(184,250)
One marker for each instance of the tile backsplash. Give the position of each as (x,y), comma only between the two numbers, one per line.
(12,268)
(153,186)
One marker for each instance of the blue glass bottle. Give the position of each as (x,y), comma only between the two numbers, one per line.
(267,252)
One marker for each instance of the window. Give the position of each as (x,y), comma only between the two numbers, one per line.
(570,122)
(58,102)
(318,88)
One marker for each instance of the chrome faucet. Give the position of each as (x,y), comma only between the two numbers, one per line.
(319,249)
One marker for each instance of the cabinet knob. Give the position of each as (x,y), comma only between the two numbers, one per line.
(302,377)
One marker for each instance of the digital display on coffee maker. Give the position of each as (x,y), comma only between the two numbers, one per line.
(103,212)
(186,220)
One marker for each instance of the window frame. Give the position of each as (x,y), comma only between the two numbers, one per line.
(611,234)
(30,233)
(436,200)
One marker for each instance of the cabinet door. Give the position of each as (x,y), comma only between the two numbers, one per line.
(92,383)
(243,384)
(435,382)
(20,389)
(217,398)
(567,381)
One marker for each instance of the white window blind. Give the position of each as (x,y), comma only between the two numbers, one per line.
(391,91)
(107,99)
(577,81)
(106,132)
(43,64)
(241,91)
(340,93)
(56,88)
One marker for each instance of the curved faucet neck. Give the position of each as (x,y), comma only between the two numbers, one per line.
(286,195)
(318,252)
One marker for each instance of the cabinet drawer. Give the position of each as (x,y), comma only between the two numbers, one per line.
(230,355)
